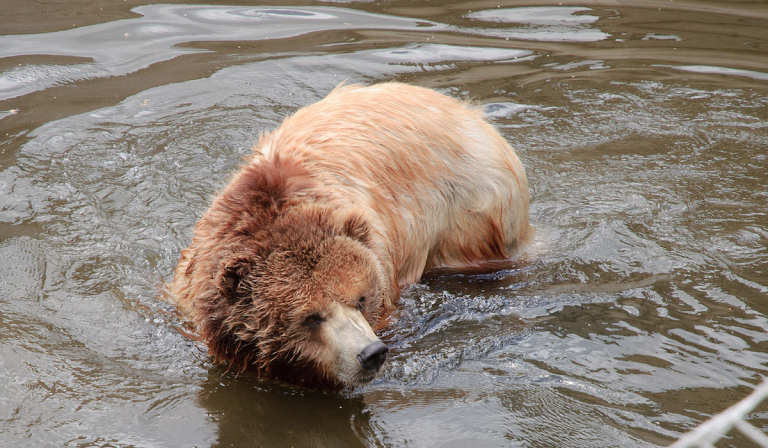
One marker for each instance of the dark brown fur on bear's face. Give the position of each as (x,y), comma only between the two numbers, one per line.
(288,289)
(336,295)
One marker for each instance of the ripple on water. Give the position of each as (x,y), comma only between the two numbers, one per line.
(640,311)
(541,23)
(165,32)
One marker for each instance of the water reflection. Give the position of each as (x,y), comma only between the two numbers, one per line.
(249,412)
(640,311)
(541,15)
(722,71)
(125,46)
(432,53)
(542,23)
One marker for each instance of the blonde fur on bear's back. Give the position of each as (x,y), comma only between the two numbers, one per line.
(440,185)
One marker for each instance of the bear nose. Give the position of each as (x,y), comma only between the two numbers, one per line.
(373,356)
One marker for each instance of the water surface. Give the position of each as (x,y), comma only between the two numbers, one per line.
(639,312)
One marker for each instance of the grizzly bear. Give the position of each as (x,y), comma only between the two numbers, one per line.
(303,254)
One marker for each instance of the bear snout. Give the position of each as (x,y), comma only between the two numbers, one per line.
(373,356)
(358,353)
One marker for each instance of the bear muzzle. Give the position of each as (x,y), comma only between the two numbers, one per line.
(358,353)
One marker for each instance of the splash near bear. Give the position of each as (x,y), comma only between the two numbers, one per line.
(302,255)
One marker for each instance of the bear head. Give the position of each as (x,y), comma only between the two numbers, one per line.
(288,288)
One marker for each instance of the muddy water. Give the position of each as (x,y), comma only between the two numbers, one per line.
(640,311)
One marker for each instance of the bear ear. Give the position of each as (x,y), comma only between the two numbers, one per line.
(357,228)
(232,275)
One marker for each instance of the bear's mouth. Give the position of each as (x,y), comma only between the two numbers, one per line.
(365,377)
(360,378)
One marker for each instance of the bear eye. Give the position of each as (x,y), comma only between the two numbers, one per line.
(361,304)
(312,320)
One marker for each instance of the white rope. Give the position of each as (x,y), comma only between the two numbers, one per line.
(709,432)
(753,433)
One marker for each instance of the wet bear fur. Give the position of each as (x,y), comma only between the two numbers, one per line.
(303,254)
